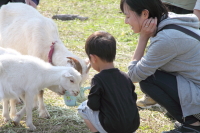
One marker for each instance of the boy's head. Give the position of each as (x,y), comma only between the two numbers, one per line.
(101,44)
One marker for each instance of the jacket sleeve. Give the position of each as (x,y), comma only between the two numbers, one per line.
(197,5)
(94,96)
(160,52)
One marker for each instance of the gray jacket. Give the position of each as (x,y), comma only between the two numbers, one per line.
(175,52)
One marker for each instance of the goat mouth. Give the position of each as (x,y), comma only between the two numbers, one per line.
(59,93)
(63,92)
(76,94)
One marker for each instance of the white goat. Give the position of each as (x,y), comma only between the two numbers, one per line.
(5,112)
(24,29)
(5,51)
(24,75)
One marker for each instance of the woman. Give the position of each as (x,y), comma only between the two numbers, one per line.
(32,3)
(170,70)
(178,7)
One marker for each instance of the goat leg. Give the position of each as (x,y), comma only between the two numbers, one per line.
(35,103)
(13,110)
(28,103)
(43,113)
(21,113)
(5,113)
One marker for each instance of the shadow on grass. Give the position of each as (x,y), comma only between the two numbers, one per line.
(160,109)
(63,120)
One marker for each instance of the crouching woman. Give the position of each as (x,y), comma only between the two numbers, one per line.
(169,72)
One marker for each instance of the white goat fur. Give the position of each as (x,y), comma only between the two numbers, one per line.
(5,51)
(5,112)
(24,75)
(24,29)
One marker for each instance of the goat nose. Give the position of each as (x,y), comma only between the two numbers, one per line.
(75,92)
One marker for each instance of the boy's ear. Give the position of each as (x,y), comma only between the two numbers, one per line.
(92,58)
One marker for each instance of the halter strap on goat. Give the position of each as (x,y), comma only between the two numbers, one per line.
(51,53)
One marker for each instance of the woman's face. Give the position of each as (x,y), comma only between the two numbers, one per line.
(133,19)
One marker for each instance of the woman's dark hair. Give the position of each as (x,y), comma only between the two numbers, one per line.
(102,44)
(155,7)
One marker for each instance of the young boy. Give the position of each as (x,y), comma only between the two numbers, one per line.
(111,105)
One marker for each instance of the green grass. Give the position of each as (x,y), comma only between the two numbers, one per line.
(103,15)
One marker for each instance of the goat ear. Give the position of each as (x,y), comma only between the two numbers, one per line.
(88,67)
(87,61)
(67,75)
(76,64)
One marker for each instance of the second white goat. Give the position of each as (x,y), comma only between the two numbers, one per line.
(23,75)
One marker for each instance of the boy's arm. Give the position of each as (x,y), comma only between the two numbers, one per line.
(133,91)
(94,96)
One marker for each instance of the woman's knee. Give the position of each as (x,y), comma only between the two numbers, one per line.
(159,78)
(146,84)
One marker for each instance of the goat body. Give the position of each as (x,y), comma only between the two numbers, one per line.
(24,29)
(23,75)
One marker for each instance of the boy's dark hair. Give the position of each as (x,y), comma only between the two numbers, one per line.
(102,44)
(155,7)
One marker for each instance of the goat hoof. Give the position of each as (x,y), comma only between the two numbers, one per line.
(7,120)
(16,120)
(13,116)
(31,128)
(44,115)
(15,123)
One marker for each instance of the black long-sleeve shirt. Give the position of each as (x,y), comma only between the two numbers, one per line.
(112,93)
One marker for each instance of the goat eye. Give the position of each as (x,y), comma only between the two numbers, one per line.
(71,81)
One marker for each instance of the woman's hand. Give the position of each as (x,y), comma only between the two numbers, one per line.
(149,28)
(197,13)
(31,3)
